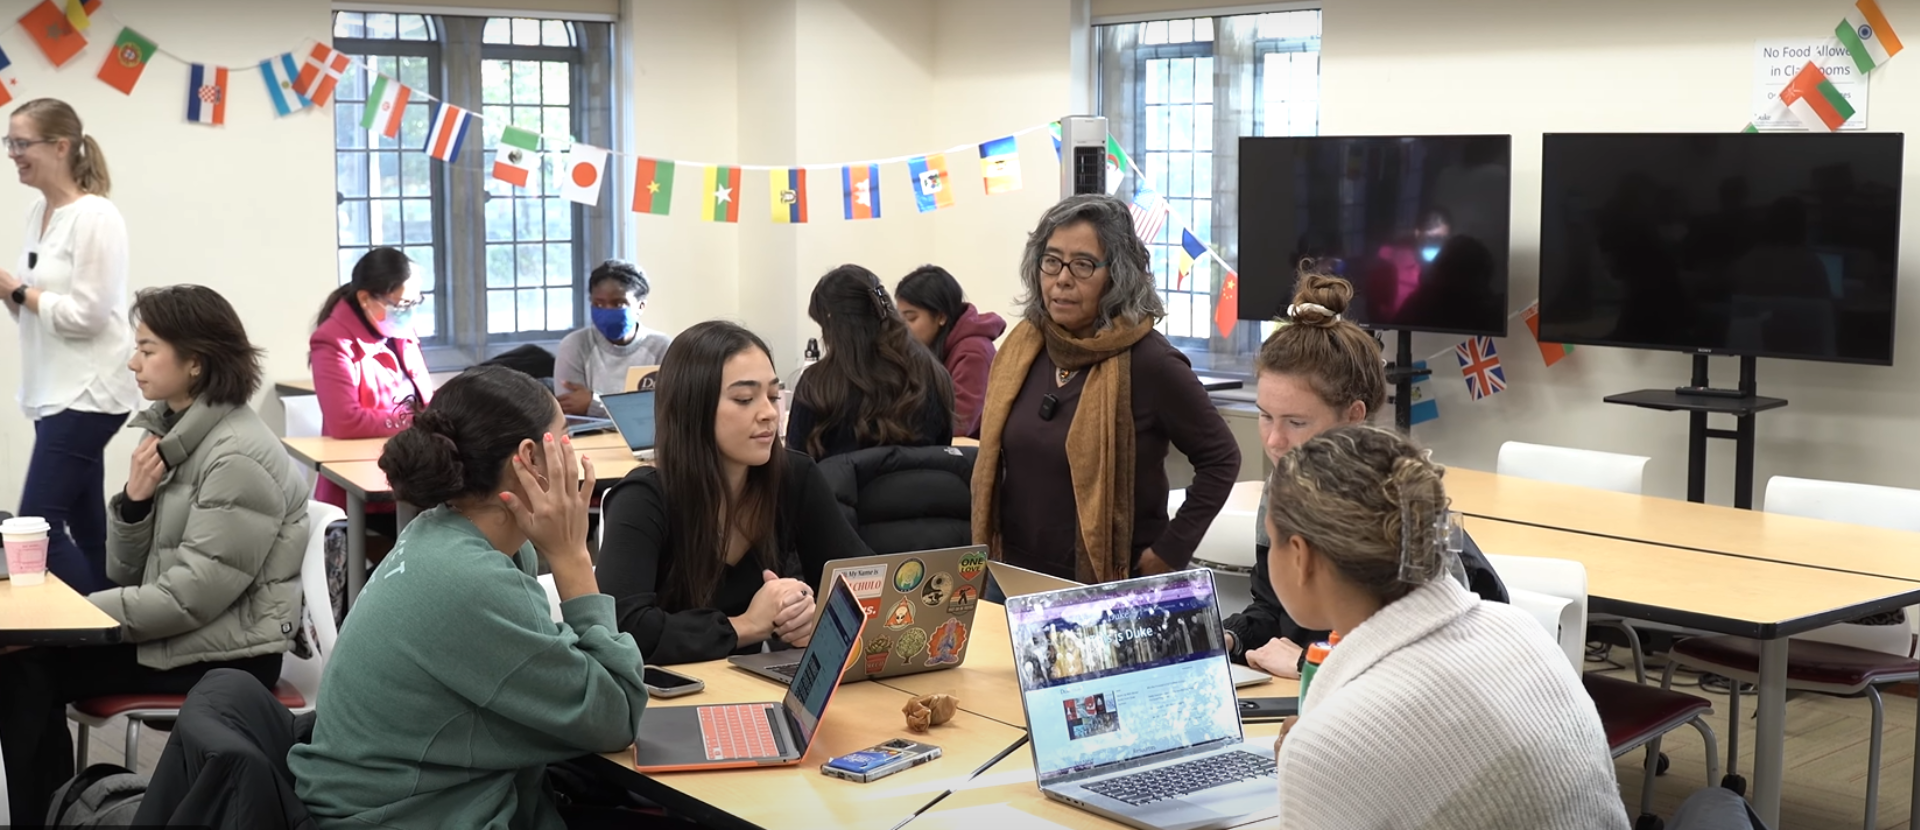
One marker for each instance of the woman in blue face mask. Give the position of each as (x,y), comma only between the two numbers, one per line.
(594,360)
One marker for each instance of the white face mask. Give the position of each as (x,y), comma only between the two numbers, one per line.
(397,323)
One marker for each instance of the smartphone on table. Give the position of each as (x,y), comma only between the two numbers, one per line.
(880,761)
(663,683)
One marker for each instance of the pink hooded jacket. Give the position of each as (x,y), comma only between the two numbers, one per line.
(363,381)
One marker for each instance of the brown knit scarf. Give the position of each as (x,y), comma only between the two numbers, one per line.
(1099,442)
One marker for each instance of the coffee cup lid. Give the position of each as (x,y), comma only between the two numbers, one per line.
(24,525)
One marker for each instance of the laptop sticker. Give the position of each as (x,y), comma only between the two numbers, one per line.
(972,565)
(948,640)
(876,654)
(867,582)
(912,642)
(962,601)
(907,577)
(937,589)
(901,616)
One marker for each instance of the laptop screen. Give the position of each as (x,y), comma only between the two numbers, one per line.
(632,414)
(835,637)
(1120,671)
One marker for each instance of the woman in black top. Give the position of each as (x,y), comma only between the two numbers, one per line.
(711,570)
(876,386)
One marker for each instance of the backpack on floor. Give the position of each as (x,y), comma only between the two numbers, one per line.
(102,795)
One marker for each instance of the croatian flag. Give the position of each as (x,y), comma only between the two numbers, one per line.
(1481,366)
(280,73)
(449,131)
(207,95)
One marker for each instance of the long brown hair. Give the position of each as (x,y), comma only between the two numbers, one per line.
(57,121)
(1365,498)
(869,350)
(1339,360)
(689,466)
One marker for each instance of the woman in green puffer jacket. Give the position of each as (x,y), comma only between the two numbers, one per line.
(206,540)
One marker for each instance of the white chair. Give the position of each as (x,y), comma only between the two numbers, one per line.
(299,686)
(1581,468)
(1554,591)
(1893,508)
(303,421)
(1227,547)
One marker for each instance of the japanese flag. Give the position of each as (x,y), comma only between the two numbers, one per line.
(584,173)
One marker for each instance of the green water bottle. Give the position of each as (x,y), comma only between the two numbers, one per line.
(1316,655)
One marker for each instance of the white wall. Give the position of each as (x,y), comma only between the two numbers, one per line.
(244,208)
(1504,66)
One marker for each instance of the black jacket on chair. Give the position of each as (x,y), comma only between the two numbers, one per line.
(902,499)
(225,766)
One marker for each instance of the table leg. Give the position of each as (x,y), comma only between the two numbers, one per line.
(356,547)
(1770,736)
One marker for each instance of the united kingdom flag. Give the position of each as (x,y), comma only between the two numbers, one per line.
(1481,365)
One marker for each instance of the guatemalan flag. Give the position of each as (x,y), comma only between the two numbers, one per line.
(1481,366)
(280,73)
(207,95)
(449,131)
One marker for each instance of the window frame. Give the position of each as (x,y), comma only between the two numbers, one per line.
(1167,243)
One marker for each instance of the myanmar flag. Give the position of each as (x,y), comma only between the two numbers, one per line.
(721,195)
(652,186)
(1868,36)
(1814,100)
(1550,352)
(788,187)
(127,61)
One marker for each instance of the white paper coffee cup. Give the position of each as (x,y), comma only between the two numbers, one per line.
(25,538)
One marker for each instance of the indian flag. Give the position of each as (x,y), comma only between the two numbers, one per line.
(1867,36)
(1814,100)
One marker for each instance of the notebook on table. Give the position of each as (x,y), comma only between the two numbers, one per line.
(921,607)
(1131,708)
(632,415)
(675,738)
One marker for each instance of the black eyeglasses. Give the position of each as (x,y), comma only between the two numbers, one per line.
(1082,268)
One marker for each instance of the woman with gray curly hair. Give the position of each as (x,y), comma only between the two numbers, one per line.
(1083,401)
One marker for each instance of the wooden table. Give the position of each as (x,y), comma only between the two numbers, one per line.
(52,614)
(294,386)
(364,481)
(861,715)
(1682,524)
(1760,599)
(315,451)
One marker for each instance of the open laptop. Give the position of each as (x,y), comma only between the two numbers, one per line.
(1131,708)
(921,605)
(641,378)
(632,414)
(1017,582)
(758,734)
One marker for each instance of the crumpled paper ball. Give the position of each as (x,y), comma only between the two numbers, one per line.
(928,711)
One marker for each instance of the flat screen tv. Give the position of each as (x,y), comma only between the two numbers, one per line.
(1764,244)
(1418,224)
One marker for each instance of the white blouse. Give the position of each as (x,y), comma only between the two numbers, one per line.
(74,352)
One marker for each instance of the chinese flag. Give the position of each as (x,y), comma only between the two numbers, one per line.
(1227,311)
(50,28)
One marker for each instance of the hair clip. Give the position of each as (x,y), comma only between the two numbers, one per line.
(880,302)
(1296,309)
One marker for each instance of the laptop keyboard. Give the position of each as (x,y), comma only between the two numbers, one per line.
(1185,778)
(736,732)
(786,670)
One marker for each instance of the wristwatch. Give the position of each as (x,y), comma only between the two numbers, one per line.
(20,295)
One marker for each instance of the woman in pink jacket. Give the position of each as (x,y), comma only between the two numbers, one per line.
(367,368)
(938,314)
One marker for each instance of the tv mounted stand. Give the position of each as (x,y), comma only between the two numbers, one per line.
(1699,399)
(1402,374)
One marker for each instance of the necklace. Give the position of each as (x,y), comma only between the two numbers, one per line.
(1061,376)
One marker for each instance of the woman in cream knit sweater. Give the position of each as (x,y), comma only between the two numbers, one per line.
(1437,710)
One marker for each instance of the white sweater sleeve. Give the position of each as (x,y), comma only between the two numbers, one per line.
(99,277)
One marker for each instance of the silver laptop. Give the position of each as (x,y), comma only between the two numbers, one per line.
(1131,707)
(1016,582)
(632,414)
(919,608)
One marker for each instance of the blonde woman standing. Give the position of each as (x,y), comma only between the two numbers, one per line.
(69,294)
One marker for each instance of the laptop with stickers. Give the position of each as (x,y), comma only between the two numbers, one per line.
(919,605)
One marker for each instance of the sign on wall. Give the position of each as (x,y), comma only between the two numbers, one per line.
(1776,61)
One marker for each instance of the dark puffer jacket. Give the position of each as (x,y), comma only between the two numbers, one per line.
(903,499)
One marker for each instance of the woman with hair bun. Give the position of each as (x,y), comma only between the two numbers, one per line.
(1318,372)
(70,299)
(1438,709)
(451,687)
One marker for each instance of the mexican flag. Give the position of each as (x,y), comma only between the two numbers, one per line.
(1867,36)
(1814,100)
(518,152)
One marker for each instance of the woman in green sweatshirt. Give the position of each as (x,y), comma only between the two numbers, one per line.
(451,688)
